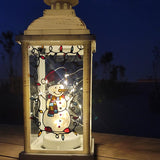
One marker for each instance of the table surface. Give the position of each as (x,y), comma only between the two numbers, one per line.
(107,146)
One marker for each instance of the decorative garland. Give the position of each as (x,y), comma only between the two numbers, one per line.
(40,53)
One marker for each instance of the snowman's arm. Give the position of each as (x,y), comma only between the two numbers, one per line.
(48,101)
(69,101)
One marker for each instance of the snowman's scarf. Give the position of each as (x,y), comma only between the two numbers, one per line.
(53,105)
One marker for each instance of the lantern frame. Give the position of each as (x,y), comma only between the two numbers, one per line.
(88,41)
(58,26)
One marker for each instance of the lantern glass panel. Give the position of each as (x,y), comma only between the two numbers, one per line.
(56,97)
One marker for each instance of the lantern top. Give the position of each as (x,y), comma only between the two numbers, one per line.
(61,19)
(53,2)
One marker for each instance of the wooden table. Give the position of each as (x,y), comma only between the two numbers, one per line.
(107,146)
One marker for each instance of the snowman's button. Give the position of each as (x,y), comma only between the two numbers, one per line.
(60,120)
(60,114)
(60,107)
(50,104)
(60,103)
(57,136)
(59,126)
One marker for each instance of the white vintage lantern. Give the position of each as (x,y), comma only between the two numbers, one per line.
(57,85)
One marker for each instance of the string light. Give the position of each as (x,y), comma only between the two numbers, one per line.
(42,57)
(61,48)
(66,82)
(72,90)
(38,84)
(69,81)
(40,93)
(66,75)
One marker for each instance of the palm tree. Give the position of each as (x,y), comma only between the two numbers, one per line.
(105,60)
(7,42)
(122,70)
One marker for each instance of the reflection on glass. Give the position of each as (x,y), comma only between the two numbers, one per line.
(56,102)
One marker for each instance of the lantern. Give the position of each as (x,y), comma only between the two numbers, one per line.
(57,85)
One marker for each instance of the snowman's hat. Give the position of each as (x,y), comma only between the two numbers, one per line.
(52,78)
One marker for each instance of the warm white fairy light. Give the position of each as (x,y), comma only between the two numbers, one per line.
(67,98)
(72,90)
(46,81)
(80,106)
(40,93)
(66,82)
(66,75)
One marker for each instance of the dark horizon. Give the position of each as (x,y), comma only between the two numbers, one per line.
(128,29)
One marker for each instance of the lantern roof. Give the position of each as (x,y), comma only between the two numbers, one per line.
(61,19)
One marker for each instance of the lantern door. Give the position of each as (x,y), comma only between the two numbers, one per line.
(56,97)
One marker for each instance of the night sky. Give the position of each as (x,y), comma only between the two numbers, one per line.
(128,28)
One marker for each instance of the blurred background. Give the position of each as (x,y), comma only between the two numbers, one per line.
(126,69)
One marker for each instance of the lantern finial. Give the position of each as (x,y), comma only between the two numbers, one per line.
(54,3)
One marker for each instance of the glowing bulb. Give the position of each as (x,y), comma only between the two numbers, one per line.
(76,83)
(67,98)
(80,106)
(81,89)
(46,81)
(66,75)
(72,90)
(66,82)
(40,93)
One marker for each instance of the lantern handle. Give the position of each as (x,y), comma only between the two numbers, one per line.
(53,3)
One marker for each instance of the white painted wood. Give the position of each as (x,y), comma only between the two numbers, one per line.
(57,22)
(42,91)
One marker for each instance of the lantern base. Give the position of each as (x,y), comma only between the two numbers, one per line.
(40,156)
(34,156)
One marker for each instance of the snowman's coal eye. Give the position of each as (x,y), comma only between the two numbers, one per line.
(55,87)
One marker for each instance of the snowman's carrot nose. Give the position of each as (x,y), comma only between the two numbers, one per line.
(62,90)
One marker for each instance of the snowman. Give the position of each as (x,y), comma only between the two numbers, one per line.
(56,118)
